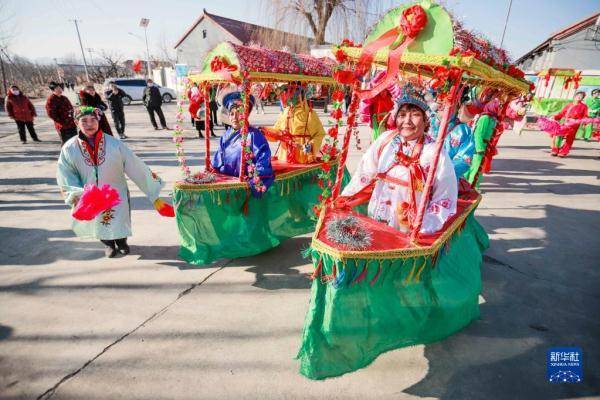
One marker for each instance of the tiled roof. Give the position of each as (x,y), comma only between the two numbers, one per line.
(568,31)
(246,32)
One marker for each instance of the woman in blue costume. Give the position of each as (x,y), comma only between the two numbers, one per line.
(459,143)
(227,159)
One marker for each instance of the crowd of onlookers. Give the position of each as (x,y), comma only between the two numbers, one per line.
(60,109)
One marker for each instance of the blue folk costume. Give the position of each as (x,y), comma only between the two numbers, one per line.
(227,159)
(459,144)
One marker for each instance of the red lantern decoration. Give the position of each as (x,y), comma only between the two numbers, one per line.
(136,66)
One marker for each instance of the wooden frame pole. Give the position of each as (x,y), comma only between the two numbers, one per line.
(451,102)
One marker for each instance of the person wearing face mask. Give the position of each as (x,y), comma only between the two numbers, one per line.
(89,97)
(227,159)
(22,111)
(392,173)
(93,157)
(153,101)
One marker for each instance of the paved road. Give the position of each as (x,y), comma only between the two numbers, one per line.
(74,325)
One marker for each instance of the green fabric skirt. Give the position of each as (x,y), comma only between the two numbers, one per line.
(229,223)
(366,307)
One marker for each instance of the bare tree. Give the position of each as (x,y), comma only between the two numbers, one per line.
(165,50)
(333,19)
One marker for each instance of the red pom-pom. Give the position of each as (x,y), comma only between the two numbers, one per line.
(94,201)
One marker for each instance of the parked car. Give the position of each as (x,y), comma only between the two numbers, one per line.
(134,89)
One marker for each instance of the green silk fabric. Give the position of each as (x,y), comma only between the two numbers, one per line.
(212,224)
(349,324)
(546,107)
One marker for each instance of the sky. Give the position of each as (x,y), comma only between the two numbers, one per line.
(43,30)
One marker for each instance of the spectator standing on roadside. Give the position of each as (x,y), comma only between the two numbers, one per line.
(22,111)
(214,106)
(60,110)
(153,101)
(114,97)
(89,97)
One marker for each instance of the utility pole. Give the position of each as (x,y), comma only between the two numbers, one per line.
(3,74)
(506,23)
(144,24)
(87,75)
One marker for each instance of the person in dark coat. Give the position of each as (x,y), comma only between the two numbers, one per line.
(114,97)
(153,101)
(89,97)
(60,110)
(20,108)
(214,106)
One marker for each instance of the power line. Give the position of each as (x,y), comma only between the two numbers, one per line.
(87,75)
(506,23)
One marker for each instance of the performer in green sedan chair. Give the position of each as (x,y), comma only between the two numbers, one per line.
(92,157)
(228,157)
(586,131)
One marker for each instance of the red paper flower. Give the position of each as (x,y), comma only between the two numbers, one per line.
(220,63)
(325,167)
(337,113)
(413,21)
(344,77)
(340,56)
(338,95)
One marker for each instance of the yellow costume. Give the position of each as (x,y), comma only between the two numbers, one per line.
(300,131)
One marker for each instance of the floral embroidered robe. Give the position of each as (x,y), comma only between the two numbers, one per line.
(460,146)
(385,202)
(77,167)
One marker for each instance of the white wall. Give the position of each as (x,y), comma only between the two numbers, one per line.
(194,48)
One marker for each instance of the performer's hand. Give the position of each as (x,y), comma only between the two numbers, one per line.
(163,208)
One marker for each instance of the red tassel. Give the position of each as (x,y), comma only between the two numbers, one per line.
(227,198)
(434,259)
(246,201)
(317,270)
(376,276)
(362,275)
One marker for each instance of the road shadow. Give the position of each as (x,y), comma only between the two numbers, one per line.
(515,175)
(538,297)
(275,269)
(32,246)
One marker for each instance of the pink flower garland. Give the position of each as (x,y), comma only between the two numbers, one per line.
(248,155)
(178,134)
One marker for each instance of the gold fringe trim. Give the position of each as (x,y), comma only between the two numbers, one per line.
(413,251)
(281,178)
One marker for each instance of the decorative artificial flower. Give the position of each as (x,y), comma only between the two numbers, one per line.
(413,21)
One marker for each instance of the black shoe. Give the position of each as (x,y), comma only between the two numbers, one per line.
(123,136)
(167,128)
(110,252)
(213,134)
(122,246)
(24,141)
(36,140)
(156,128)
